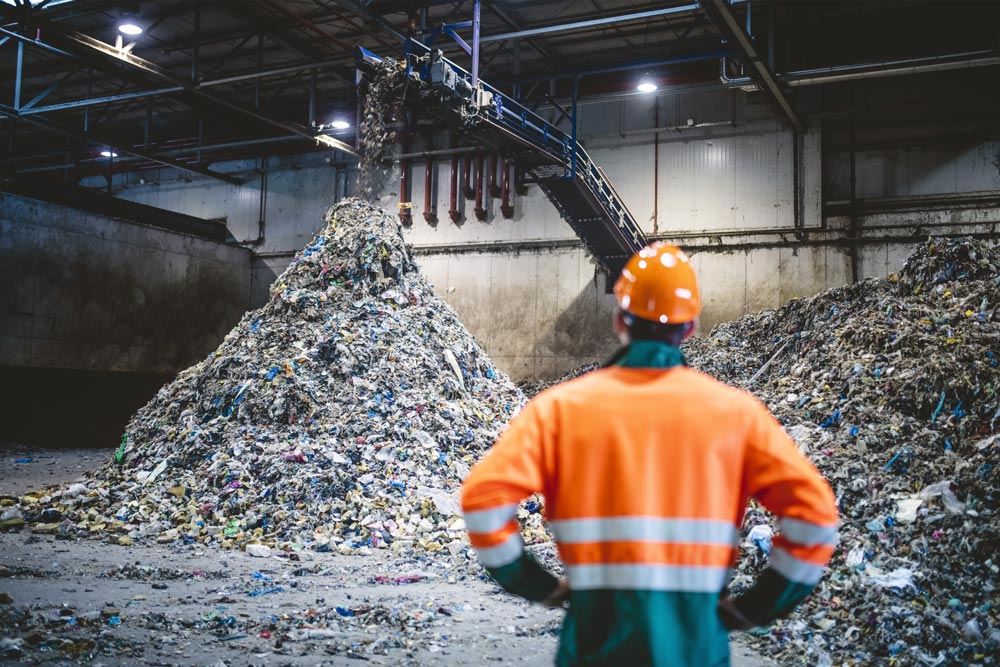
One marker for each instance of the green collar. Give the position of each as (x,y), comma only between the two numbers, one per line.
(648,354)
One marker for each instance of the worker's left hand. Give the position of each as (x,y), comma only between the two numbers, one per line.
(559,598)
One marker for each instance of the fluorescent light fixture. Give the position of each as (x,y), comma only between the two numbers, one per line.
(646,86)
(109,154)
(340,124)
(129,27)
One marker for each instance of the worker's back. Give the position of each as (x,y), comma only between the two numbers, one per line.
(646,442)
(646,473)
(645,500)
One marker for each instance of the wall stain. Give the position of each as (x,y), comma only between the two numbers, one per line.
(166,322)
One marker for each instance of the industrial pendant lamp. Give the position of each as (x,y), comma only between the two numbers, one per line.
(646,84)
(128,23)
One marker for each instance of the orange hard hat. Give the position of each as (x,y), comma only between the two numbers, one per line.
(658,284)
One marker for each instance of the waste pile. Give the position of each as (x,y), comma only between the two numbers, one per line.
(532,388)
(890,386)
(342,415)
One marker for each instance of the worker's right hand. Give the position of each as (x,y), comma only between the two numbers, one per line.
(732,618)
(558,598)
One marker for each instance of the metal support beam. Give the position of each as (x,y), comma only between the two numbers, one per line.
(458,40)
(45,93)
(575,107)
(77,41)
(312,99)
(194,47)
(117,147)
(475,43)
(4,14)
(147,126)
(721,14)
(246,76)
(642,64)
(592,23)
(17,77)
(90,90)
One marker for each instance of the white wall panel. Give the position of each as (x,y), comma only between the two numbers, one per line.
(727,183)
(915,171)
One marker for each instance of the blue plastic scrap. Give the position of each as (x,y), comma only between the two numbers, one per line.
(265,591)
(937,410)
(895,458)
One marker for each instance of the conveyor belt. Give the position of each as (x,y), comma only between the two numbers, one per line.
(549,156)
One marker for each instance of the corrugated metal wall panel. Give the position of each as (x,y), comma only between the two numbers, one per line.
(725,183)
(915,171)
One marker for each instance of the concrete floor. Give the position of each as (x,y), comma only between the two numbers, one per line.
(190,605)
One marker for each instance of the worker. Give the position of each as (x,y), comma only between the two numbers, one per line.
(646,467)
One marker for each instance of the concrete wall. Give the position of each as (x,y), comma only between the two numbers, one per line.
(761,226)
(87,292)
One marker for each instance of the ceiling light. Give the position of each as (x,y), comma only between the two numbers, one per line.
(129,23)
(340,124)
(646,86)
(129,27)
(109,154)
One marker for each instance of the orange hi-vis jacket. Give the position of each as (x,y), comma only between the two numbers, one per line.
(646,474)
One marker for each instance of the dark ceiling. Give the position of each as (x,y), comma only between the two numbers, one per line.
(214,79)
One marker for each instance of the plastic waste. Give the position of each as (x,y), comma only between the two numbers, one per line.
(760,537)
(258,550)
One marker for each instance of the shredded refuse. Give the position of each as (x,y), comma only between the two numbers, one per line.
(890,386)
(532,388)
(342,415)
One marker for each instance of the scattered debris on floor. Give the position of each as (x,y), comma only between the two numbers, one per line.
(193,607)
(891,388)
(342,415)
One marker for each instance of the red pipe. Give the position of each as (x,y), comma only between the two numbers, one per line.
(505,206)
(467,169)
(430,216)
(494,188)
(453,201)
(480,211)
